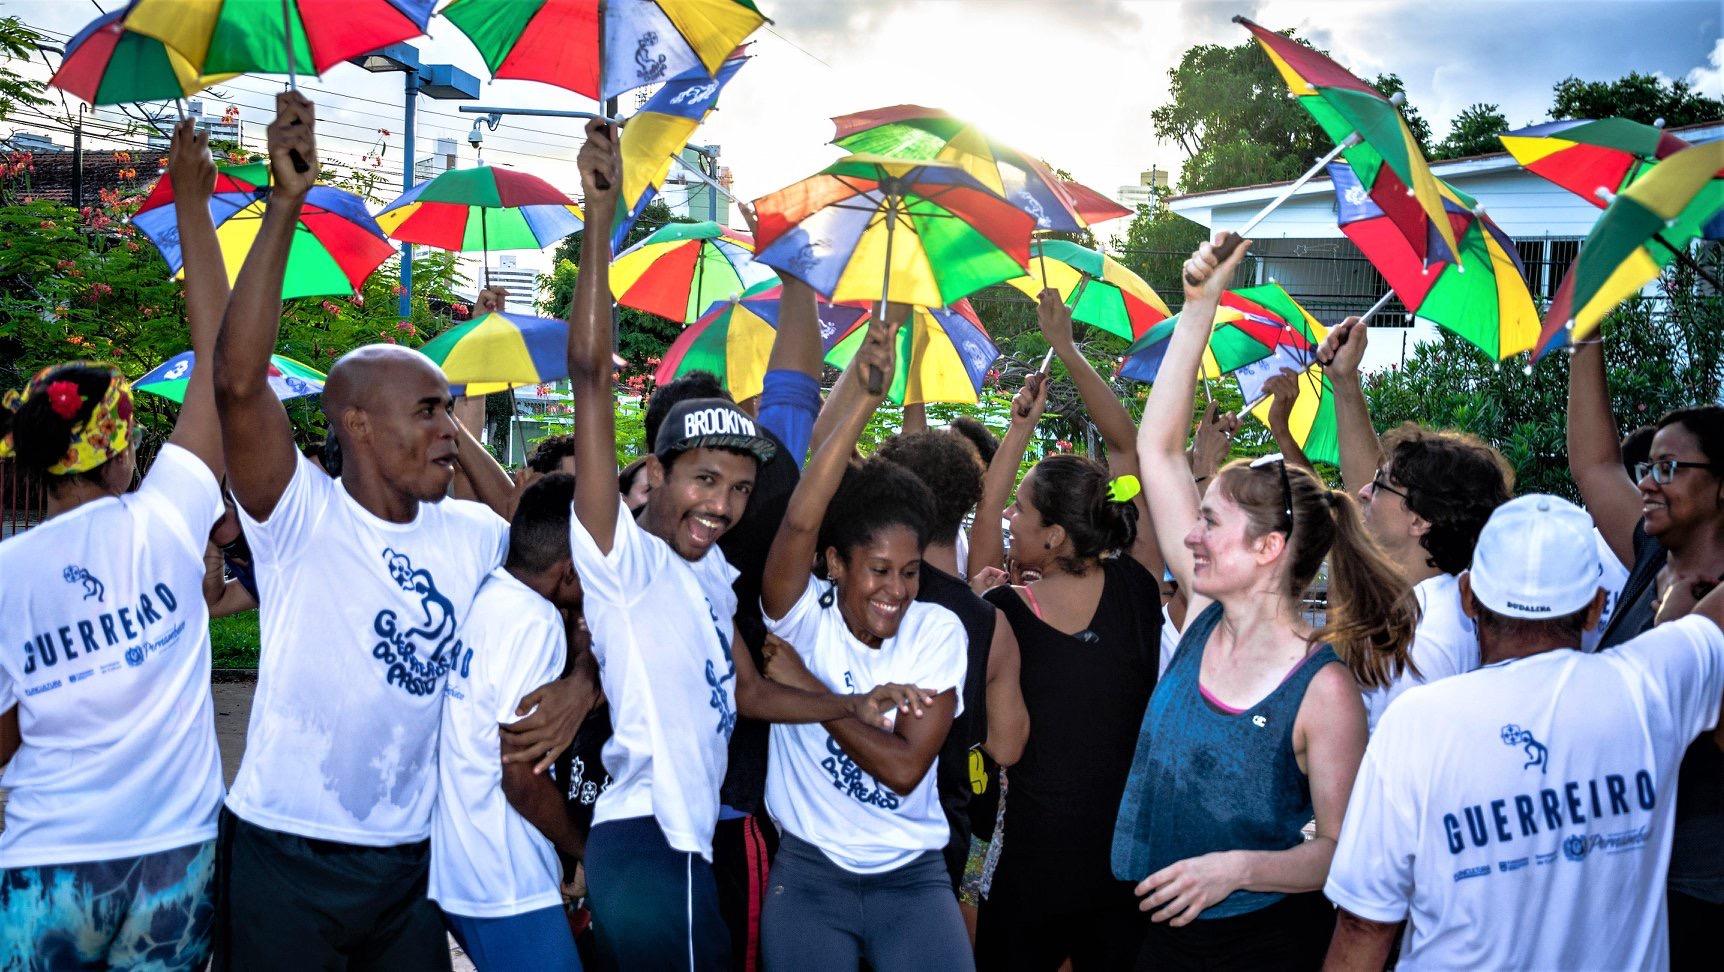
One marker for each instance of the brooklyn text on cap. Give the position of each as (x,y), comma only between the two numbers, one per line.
(712,423)
(1536,558)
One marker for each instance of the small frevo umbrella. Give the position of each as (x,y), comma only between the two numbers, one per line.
(734,340)
(943,355)
(682,269)
(287,378)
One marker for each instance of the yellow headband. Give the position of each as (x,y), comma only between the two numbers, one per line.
(95,440)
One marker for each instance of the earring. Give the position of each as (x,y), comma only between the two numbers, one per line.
(1046,545)
(831,596)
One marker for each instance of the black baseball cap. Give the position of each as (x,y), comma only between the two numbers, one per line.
(712,423)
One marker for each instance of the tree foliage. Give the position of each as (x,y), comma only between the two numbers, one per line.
(1473,132)
(17,42)
(1638,97)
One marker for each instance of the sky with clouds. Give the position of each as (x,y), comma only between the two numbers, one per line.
(1073,81)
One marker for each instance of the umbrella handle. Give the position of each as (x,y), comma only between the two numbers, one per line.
(1229,242)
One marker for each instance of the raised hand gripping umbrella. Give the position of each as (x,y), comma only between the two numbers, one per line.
(1312,421)
(1482,297)
(1366,126)
(336,244)
(734,341)
(637,42)
(684,268)
(107,63)
(1100,291)
(928,134)
(1643,230)
(482,209)
(943,355)
(287,378)
(1252,324)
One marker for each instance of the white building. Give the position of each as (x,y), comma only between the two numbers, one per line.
(1143,194)
(522,283)
(1301,247)
(224,127)
(444,156)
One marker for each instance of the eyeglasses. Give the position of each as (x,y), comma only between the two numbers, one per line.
(1286,485)
(1664,470)
(1380,484)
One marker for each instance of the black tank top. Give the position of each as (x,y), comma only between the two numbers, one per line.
(952,776)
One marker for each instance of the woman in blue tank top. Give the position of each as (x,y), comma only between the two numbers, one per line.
(1255,729)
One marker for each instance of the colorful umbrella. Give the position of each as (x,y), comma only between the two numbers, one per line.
(1483,298)
(1645,227)
(108,64)
(643,41)
(1367,127)
(928,134)
(943,355)
(276,36)
(482,209)
(1312,421)
(734,341)
(1251,325)
(1099,290)
(1584,156)
(500,351)
(336,243)
(684,268)
(287,378)
(656,134)
(870,228)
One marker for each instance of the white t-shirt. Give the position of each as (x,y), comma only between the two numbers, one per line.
(1612,577)
(1445,643)
(661,629)
(813,788)
(1169,642)
(106,653)
(1521,814)
(488,861)
(360,621)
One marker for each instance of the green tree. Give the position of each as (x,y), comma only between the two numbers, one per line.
(17,43)
(1638,97)
(1473,132)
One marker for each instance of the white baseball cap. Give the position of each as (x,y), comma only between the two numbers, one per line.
(1536,559)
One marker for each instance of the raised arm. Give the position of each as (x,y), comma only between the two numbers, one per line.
(192,173)
(1361,453)
(1284,389)
(1595,452)
(590,343)
(987,542)
(1167,415)
(256,436)
(851,405)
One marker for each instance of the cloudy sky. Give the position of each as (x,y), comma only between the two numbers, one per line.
(1071,80)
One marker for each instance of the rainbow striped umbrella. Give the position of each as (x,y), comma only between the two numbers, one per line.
(336,243)
(943,355)
(1584,156)
(482,209)
(1251,325)
(870,228)
(276,36)
(287,378)
(1312,421)
(640,42)
(734,341)
(684,268)
(108,64)
(1099,290)
(501,351)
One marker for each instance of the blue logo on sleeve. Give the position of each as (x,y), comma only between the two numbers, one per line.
(92,587)
(720,698)
(418,657)
(1536,754)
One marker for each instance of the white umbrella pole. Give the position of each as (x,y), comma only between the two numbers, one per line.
(875,380)
(1377,308)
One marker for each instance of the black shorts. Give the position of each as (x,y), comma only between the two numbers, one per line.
(1291,935)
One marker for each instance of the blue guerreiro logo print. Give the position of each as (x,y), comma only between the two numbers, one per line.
(720,698)
(852,781)
(418,655)
(1536,754)
(92,587)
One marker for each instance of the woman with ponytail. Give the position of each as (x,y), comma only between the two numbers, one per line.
(1089,632)
(109,844)
(1257,725)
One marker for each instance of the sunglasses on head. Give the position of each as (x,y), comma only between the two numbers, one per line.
(1286,484)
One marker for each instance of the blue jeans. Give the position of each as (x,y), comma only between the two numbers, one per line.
(820,916)
(529,942)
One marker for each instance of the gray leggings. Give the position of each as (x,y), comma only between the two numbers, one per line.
(820,916)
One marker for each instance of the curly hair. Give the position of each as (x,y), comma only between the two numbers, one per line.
(549,454)
(874,495)
(1706,424)
(946,462)
(980,436)
(1453,481)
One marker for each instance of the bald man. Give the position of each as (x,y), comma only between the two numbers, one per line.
(364,581)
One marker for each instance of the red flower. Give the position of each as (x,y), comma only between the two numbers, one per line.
(100,289)
(65,399)
(331,308)
(1062,445)
(398,290)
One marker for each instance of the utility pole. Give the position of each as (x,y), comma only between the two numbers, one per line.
(78,160)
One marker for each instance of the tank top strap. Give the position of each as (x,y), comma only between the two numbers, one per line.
(1290,694)
(1030,596)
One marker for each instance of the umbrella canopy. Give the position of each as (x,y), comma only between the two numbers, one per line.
(1099,290)
(1483,298)
(1251,325)
(873,228)
(287,378)
(656,134)
(641,42)
(1344,106)
(1312,421)
(1641,232)
(482,209)
(1584,156)
(734,341)
(336,243)
(684,268)
(276,36)
(108,64)
(943,355)
(928,134)
(500,351)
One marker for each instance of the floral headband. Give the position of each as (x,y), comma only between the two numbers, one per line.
(98,438)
